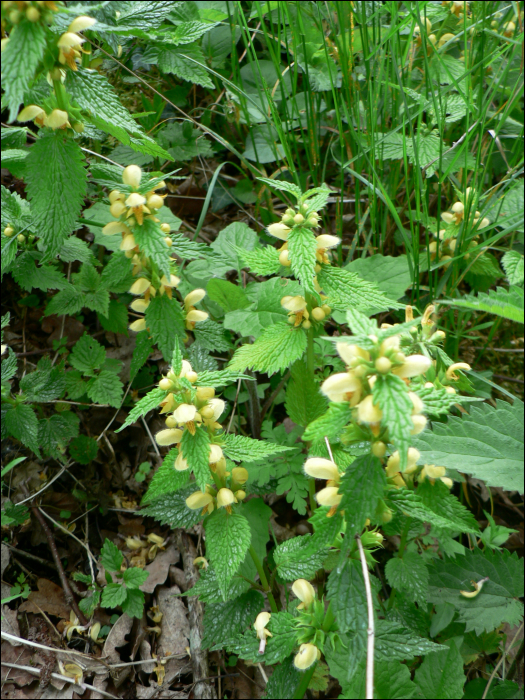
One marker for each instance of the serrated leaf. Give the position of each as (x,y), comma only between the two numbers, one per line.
(57,160)
(326,528)
(13,515)
(362,485)
(438,402)
(282,185)
(75,249)
(20,59)
(116,320)
(438,498)
(441,674)
(151,241)
(147,403)
(114,594)
(56,432)
(330,424)
(164,320)
(9,366)
(296,558)
(30,276)
(487,443)
(210,335)
(21,422)
(187,63)
(68,302)
(196,450)
(304,402)
(278,646)
(284,681)
(512,263)
(141,352)
(111,557)
(302,247)
(134,577)
(346,591)
(106,388)
(228,295)
(390,393)
(395,642)
(133,605)
(220,378)
(241,448)
(497,602)
(507,303)
(408,503)
(83,449)
(188,249)
(391,680)
(261,261)
(87,354)
(44,384)
(207,587)
(410,575)
(171,509)
(225,620)
(275,350)
(228,537)
(166,479)
(347,289)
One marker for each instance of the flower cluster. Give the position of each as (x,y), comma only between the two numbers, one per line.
(298,312)
(14,12)
(70,43)
(413,472)
(144,551)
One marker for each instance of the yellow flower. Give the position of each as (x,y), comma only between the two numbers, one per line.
(451,371)
(225,498)
(132,176)
(368,412)
(303,590)
(308,655)
(339,387)
(413,366)
(172,436)
(260,628)
(199,500)
(320,468)
(279,230)
(329,496)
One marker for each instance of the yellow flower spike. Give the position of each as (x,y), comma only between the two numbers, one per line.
(320,468)
(279,230)
(136,203)
(451,371)
(294,304)
(419,421)
(329,496)
(215,454)
(140,286)
(239,475)
(128,242)
(284,258)
(117,208)
(413,366)
(225,498)
(155,201)
(132,176)
(200,563)
(173,281)
(70,40)
(477,585)
(339,387)
(416,402)
(138,325)
(171,436)
(184,413)
(115,227)
(194,297)
(199,500)
(308,655)
(303,590)
(181,464)
(368,412)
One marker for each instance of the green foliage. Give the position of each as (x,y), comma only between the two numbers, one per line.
(19,61)
(166,479)
(261,261)
(502,302)
(296,558)
(165,322)
(83,449)
(304,402)
(240,448)
(170,508)
(391,395)
(362,486)
(347,289)
(330,424)
(228,537)
(124,592)
(223,621)
(275,350)
(346,591)
(441,674)
(410,575)
(196,450)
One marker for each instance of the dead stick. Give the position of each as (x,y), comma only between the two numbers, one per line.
(371,624)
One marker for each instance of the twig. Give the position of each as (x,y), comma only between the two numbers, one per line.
(508,379)
(115,414)
(496,667)
(151,437)
(329,449)
(81,685)
(67,532)
(371,624)
(234,406)
(48,484)
(275,393)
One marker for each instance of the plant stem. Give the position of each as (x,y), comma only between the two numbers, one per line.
(60,94)
(310,364)
(304,683)
(329,618)
(311,494)
(264,580)
(371,624)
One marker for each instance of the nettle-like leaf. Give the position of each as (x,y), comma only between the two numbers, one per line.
(275,350)
(165,321)
(496,603)
(502,302)
(111,557)
(57,160)
(220,377)
(346,591)
(347,289)
(222,621)
(196,450)
(261,261)
(146,404)
(208,591)
(304,402)
(21,422)
(228,538)
(395,642)
(210,335)
(282,186)
(45,383)
(325,528)
(297,558)
(391,395)
(512,263)
(171,509)
(280,645)
(55,433)
(391,680)
(241,448)
(452,514)
(410,575)
(166,479)
(438,402)
(229,296)
(487,443)
(20,59)
(29,275)
(362,485)
(441,674)
(151,241)
(330,424)
(302,248)
(284,681)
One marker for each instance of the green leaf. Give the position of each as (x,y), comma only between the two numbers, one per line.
(184,142)
(441,674)
(210,335)
(68,302)
(228,295)
(171,509)
(116,320)
(502,302)
(225,620)
(151,241)
(76,249)
(304,402)
(302,247)
(134,577)
(512,263)
(106,387)
(390,393)
(362,485)
(133,605)
(166,479)
(20,59)
(196,450)
(113,594)
(438,402)
(390,275)
(284,681)
(438,498)
(282,185)
(278,646)
(498,600)
(391,680)
(141,352)
(83,449)
(230,239)
(488,444)
(147,403)
(258,515)
(220,378)
(261,261)
(21,422)
(95,295)
(165,321)
(87,354)
(207,587)
(275,350)
(116,275)
(45,383)
(346,591)
(187,63)
(410,575)
(110,556)
(330,424)
(9,366)
(13,515)
(296,558)
(57,160)
(347,289)
(241,448)
(406,502)
(359,322)
(228,538)
(55,433)
(30,276)
(326,528)
(395,642)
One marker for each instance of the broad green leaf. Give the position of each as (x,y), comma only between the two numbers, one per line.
(512,263)
(280,645)
(29,275)
(275,350)
(56,432)
(210,335)
(284,681)
(111,557)
(113,594)
(207,587)
(228,538)
(230,239)
(225,620)
(228,295)
(391,681)
(330,424)
(57,160)
(106,387)
(171,509)
(261,261)
(441,674)
(258,515)
(166,479)
(345,656)
(346,591)
(165,321)
(502,302)
(304,402)
(396,642)
(145,405)
(410,575)
(438,498)
(362,485)
(151,241)
(134,577)
(133,605)
(241,448)
(438,402)
(326,528)
(220,378)
(9,366)
(487,443)
(496,603)
(196,450)
(176,358)
(21,422)
(187,62)
(302,247)
(116,320)
(83,449)
(281,185)
(346,289)
(296,558)
(20,59)
(456,517)
(44,384)
(390,393)
(390,275)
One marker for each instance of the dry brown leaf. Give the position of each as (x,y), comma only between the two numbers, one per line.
(49,598)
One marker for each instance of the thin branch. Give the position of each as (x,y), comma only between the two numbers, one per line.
(151,437)
(37,671)
(496,667)
(275,393)
(329,449)
(371,624)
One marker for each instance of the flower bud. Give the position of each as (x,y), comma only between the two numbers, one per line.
(128,242)
(70,40)
(140,306)
(279,230)
(33,14)
(413,366)
(349,353)
(194,297)
(138,325)
(195,316)
(239,475)
(135,200)
(132,176)
(318,314)
(81,23)
(170,421)
(140,286)
(199,500)
(419,422)
(320,468)
(215,454)
(306,325)
(185,413)
(383,365)
(298,219)
(225,498)
(8,231)
(416,402)
(326,241)
(368,412)
(165,228)
(192,377)
(171,436)
(338,386)
(308,655)
(379,449)
(432,471)
(181,464)
(155,201)
(240,495)
(205,392)
(484,223)
(329,496)
(284,258)
(31,112)
(303,590)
